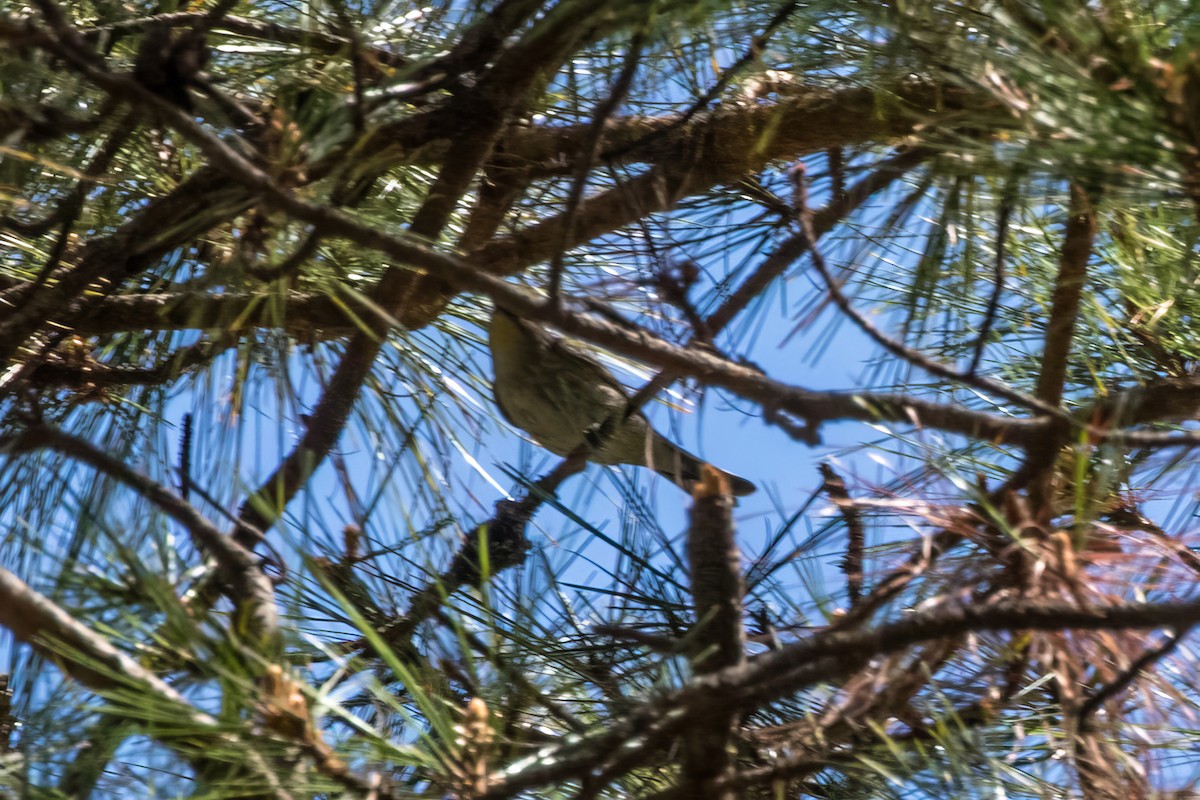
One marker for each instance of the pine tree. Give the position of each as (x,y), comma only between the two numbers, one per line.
(266,534)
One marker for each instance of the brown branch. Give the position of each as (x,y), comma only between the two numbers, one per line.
(783,768)
(307,314)
(813,407)
(822,657)
(303,314)
(1087,710)
(718,639)
(1167,400)
(777,672)
(721,148)
(105,261)
(502,182)
(94,374)
(792,248)
(717,148)
(1154,440)
(852,564)
(262,508)
(863,705)
(1068,290)
(79,651)
(735,140)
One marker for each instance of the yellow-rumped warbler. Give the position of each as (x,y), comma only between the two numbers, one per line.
(563,398)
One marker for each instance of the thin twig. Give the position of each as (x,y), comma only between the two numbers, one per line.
(1087,711)
(773,266)
(751,55)
(804,217)
(185,457)
(251,589)
(1007,201)
(591,150)
(251,28)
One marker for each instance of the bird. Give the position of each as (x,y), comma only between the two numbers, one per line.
(563,398)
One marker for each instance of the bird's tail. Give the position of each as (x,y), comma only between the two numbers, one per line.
(682,468)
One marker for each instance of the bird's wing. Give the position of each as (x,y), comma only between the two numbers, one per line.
(570,351)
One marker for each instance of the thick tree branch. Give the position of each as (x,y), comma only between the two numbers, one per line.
(306,314)
(1068,289)
(734,140)
(302,314)
(91,374)
(93,661)
(36,620)
(823,657)
(716,149)
(711,149)
(718,640)
(262,508)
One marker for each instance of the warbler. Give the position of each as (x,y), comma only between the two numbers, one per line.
(563,398)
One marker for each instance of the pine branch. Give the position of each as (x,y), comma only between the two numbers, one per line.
(718,640)
(822,657)
(251,589)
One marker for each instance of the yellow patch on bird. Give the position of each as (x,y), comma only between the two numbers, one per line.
(508,343)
